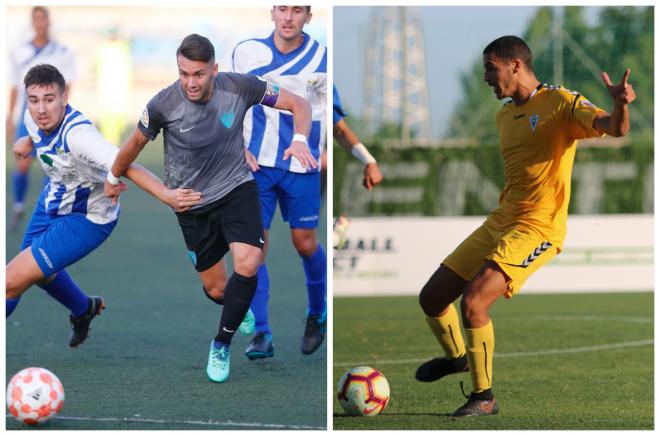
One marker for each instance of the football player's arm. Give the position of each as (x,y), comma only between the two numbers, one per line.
(180,199)
(123,160)
(302,121)
(348,140)
(616,123)
(23,147)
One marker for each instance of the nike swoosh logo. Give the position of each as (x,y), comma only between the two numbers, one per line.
(518,116)
(186,130)
(262,241)
(228,331)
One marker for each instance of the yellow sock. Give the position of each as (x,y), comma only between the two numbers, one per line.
(447,331)
(481,344)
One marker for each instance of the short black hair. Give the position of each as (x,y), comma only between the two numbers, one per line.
(197,48)
(509,48)
(43,75)
(309,8)
(39,9)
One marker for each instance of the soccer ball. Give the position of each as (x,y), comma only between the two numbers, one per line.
(34,395)
(363,391)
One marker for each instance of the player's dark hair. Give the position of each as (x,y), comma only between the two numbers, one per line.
(43,75)
(197,48)
(509,48)
(309,8)
(39,9)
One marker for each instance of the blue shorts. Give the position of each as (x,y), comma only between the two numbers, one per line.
(59,241)
(298,194)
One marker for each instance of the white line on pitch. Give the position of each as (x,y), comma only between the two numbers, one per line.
(517,354)
(189,422)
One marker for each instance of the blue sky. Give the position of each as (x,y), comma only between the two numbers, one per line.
(454,38)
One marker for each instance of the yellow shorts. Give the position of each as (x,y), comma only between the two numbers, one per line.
(518,251)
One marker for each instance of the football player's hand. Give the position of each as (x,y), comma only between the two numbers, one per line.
(182,199)
(301,151)
(23,148)
(114,191)
(251,160)
(372,176)
(622,93)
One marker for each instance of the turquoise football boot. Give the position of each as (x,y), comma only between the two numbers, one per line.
(218,366)
(247,326)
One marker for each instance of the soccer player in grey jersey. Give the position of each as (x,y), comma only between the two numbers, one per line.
(201,116)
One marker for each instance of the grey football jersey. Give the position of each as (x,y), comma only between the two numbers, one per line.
(204,147)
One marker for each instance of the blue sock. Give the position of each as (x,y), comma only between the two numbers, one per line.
(315,272)
(218,344)
(259,304)
(64,290)
(11,304)
(20,183)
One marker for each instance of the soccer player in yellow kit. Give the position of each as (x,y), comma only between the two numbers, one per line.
(538,128)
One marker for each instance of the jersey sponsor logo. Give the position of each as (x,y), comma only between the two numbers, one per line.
(533,121)
(227,119)
(144,119)
(186,130)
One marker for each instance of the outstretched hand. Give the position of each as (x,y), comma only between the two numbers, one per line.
(182,199)
(301,151)
(622,93)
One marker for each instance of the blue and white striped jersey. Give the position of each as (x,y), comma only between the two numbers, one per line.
(267,131)
(77,159)
(25,56)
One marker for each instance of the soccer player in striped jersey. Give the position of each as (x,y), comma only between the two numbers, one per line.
(41,49)
(538,128)
(72,216)
(289,58)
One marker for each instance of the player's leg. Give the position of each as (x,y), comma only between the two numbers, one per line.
(67,240)
(436,300)
(261,345)
(21,273)
(484,289)
(239,220)
(301,205)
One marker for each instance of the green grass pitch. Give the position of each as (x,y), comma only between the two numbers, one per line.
(144,365)
(582,361)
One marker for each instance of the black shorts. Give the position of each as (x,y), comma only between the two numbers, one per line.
(209,230)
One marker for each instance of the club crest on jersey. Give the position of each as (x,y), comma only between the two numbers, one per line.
(227,119)
(144,119)
(533,121)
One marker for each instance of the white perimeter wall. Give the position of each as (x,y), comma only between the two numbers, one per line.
(396,256)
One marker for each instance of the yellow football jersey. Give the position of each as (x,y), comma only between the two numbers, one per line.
(538,141)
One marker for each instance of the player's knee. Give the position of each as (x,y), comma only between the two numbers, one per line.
(215,292)
(472,308)
(248,264)
(427,302)
(12,288)
(305,246)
